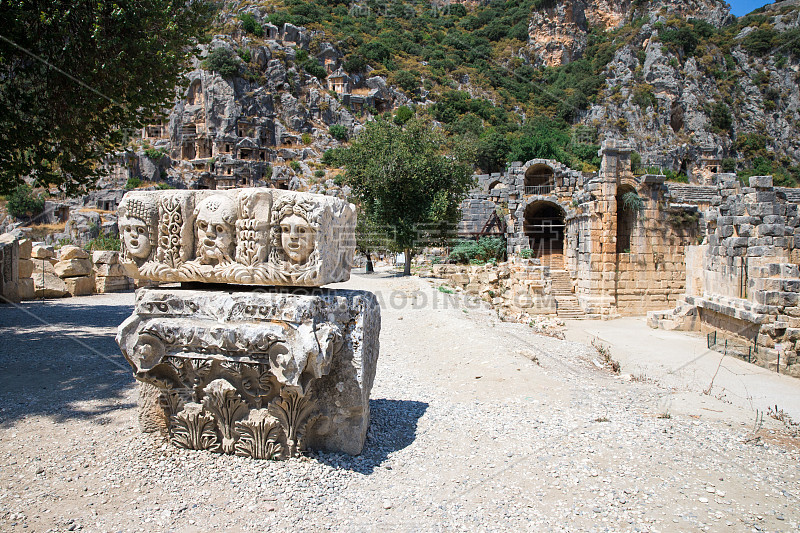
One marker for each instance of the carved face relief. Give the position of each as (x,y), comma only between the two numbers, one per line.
(297,238)
(215,230)
(136,237)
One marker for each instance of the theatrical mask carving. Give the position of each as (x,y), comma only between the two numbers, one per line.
(137,220)
(297,238)
(215,222)
(250,236)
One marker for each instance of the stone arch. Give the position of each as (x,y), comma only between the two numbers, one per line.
(496,184)
(626,220)
(544,227)
(194,95)
(539,179)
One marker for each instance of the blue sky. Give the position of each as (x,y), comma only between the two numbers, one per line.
(743,7)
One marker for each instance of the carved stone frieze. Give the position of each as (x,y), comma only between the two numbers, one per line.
(263,375)
(254,236)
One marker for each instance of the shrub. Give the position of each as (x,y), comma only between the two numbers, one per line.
(721,118)
(222,61)
(155,153)
(636,161)
(312,66)
(526,253)
(354,63)
(250,25)
(133,183)
(244,54)
(332,157)
(104,242)
(729,164)
(484,250)
(319,174)
(631,201)
(306,138)
(295,166)
(164,186)
(408,81)
(761,41)
(23,203)
(643,96)
(338,132)
(671,175)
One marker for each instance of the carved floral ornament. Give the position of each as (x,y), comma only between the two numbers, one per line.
(253,236)
(234,388)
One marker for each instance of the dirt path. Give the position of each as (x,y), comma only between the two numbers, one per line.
(476,425)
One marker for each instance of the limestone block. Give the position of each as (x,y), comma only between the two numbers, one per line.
(9,268)
(72,252)
(48,285)
(25,268)
(761,182)
(41,251)
(257,374)
(255,236)
(25,248)
(105,257)
(26,289)
(109,270)
(80,286)
(72,268)
(105,284)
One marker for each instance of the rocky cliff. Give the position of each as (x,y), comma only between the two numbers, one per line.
(691,87)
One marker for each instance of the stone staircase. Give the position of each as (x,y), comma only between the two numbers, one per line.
(568,306)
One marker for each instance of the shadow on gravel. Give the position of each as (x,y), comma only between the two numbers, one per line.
(393,426)
(56,355)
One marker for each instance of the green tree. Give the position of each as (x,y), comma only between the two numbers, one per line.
(541,138)
(403,179)
(223,61)
(721,117)
(403,115)
(250,25)
(77,76)
(338,132)
(23,203)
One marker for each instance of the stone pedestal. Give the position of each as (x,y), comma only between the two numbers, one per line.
(258,374)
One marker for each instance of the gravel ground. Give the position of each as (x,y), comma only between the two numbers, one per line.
(476,425)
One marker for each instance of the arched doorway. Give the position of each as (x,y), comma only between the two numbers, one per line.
(539,179)
(544,228)
(626,217)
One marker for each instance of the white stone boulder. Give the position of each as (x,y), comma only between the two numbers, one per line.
(73,268)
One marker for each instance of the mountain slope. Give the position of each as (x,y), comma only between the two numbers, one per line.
(683,80)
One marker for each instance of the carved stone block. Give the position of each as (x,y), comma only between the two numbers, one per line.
(254,236)
(264,375)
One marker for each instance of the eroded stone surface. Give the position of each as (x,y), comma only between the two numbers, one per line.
(253,236)
(258,374)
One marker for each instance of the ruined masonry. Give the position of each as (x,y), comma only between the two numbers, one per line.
(253,371)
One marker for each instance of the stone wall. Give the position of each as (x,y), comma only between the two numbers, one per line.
(9,273)
(744,283)
(516,287)
(69,271)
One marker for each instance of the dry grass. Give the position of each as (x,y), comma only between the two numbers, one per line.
(39,231)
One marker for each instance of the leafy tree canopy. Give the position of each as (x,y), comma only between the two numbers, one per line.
(403,179)
(76,76)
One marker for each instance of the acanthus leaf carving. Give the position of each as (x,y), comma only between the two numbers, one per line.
(224,403)
(260,436)
(293,411)
(193,429)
